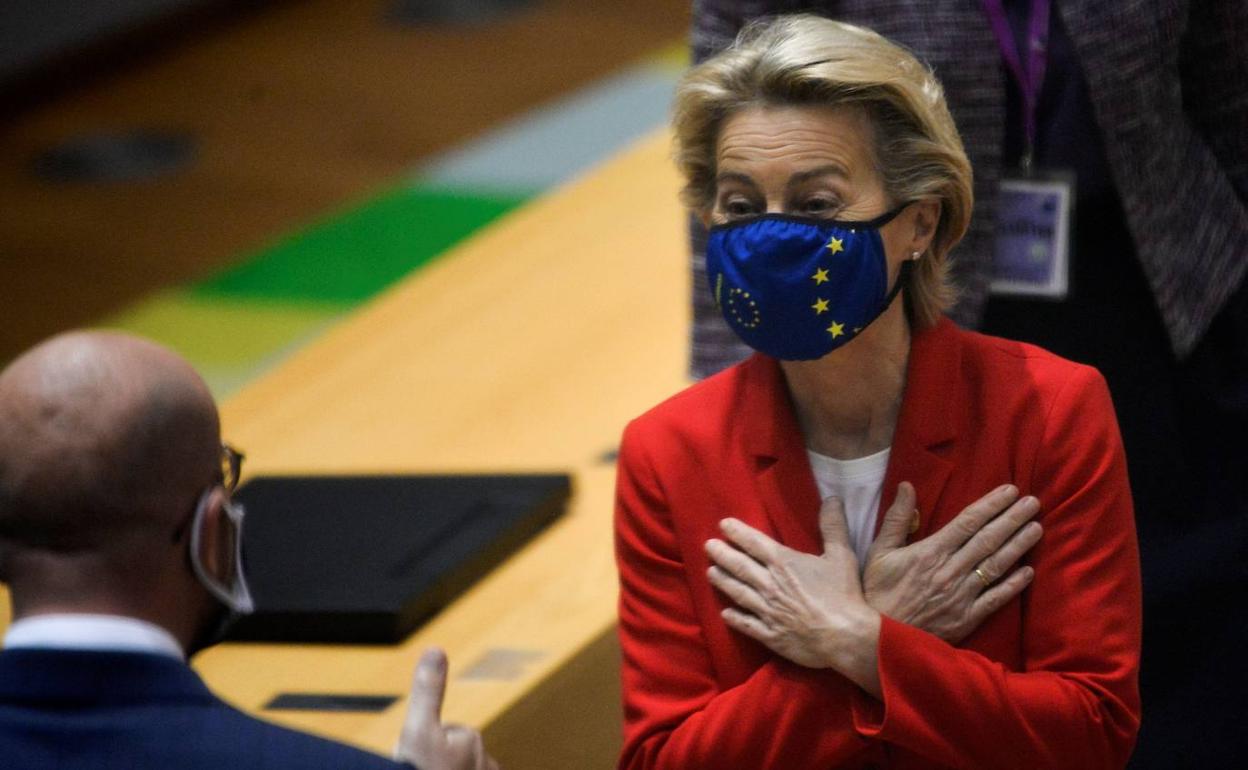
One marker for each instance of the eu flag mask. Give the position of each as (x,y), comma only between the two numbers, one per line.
(798,288)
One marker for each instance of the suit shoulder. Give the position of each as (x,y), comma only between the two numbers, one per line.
(292,748)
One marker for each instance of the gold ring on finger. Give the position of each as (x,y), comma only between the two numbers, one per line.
(979,573)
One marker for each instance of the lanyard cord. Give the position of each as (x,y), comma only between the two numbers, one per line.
(1028,75)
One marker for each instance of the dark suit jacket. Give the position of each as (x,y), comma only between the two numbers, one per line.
(71,710)
(1167,79)
(1049,681)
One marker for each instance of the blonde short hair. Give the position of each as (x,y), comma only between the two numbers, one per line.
(810,60)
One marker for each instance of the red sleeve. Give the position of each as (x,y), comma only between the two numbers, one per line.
(675,715)
(1076,704)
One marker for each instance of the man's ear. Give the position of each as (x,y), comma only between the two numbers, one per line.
(704,216)
(215,546)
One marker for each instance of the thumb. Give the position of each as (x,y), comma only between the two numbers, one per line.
(428,688)
(832,525)
(897,520)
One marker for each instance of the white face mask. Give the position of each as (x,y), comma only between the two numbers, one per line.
(236,596)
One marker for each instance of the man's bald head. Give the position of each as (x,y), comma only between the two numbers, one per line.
(106,440)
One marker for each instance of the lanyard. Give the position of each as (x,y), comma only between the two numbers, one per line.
(1030,77)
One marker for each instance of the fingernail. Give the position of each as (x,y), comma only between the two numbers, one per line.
(433,658)
(1028,573)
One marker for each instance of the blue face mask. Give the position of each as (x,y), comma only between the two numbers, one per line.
(797,288)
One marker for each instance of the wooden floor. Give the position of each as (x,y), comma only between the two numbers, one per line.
(297,110)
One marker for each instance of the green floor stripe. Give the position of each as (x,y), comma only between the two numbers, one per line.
(247,319)
(230,341)
(217,331)
(352,256)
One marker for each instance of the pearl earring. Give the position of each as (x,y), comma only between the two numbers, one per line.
(914,255)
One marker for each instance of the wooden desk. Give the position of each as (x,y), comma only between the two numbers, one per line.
(527,348)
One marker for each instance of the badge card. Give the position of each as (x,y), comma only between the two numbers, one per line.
(1032,249)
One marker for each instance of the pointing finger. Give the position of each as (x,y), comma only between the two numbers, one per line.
(428,689)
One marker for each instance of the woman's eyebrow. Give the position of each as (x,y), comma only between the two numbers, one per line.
(735,176)
(830,169)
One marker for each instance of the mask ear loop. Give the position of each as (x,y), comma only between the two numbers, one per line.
(238,598)
(903,274)
(885,218)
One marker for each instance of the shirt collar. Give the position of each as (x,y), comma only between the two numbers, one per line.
(113,633)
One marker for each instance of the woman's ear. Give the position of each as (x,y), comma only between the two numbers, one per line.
(926,218)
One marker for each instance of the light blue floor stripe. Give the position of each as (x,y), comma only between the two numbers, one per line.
(557,141)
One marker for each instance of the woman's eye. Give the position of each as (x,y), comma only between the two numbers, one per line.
(738,207)
(818,206)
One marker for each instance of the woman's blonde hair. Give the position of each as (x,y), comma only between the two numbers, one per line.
(809,60)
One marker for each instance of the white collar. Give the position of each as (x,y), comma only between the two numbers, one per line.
(112,633)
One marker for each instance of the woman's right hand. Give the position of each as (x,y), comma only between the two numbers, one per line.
(950,582)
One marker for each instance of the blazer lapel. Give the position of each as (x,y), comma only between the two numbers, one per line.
(777,451)
(926,425)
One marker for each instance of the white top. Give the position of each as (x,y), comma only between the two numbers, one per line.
(859,483)
(102,633)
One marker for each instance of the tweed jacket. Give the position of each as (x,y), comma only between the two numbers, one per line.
(1169,83)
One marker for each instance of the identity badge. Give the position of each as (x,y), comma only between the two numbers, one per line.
(1032,252)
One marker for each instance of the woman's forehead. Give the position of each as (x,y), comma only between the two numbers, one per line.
(797,136)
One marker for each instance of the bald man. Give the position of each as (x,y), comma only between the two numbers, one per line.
(120,546)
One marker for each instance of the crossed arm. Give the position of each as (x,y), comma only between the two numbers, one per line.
(815,610)
(862,665)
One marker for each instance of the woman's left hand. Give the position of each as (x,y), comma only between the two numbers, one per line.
(805,607)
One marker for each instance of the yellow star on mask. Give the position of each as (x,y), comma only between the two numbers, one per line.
(820,276)
(820,306)
(836,246)
(836,329)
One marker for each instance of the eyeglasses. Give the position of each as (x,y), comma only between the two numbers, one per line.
(231,467)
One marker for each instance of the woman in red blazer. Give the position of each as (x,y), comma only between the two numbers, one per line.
(765,621)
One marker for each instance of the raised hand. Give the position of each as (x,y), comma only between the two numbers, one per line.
(948,583)
(425,741)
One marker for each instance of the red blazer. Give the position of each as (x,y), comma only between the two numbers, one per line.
(1050,680)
